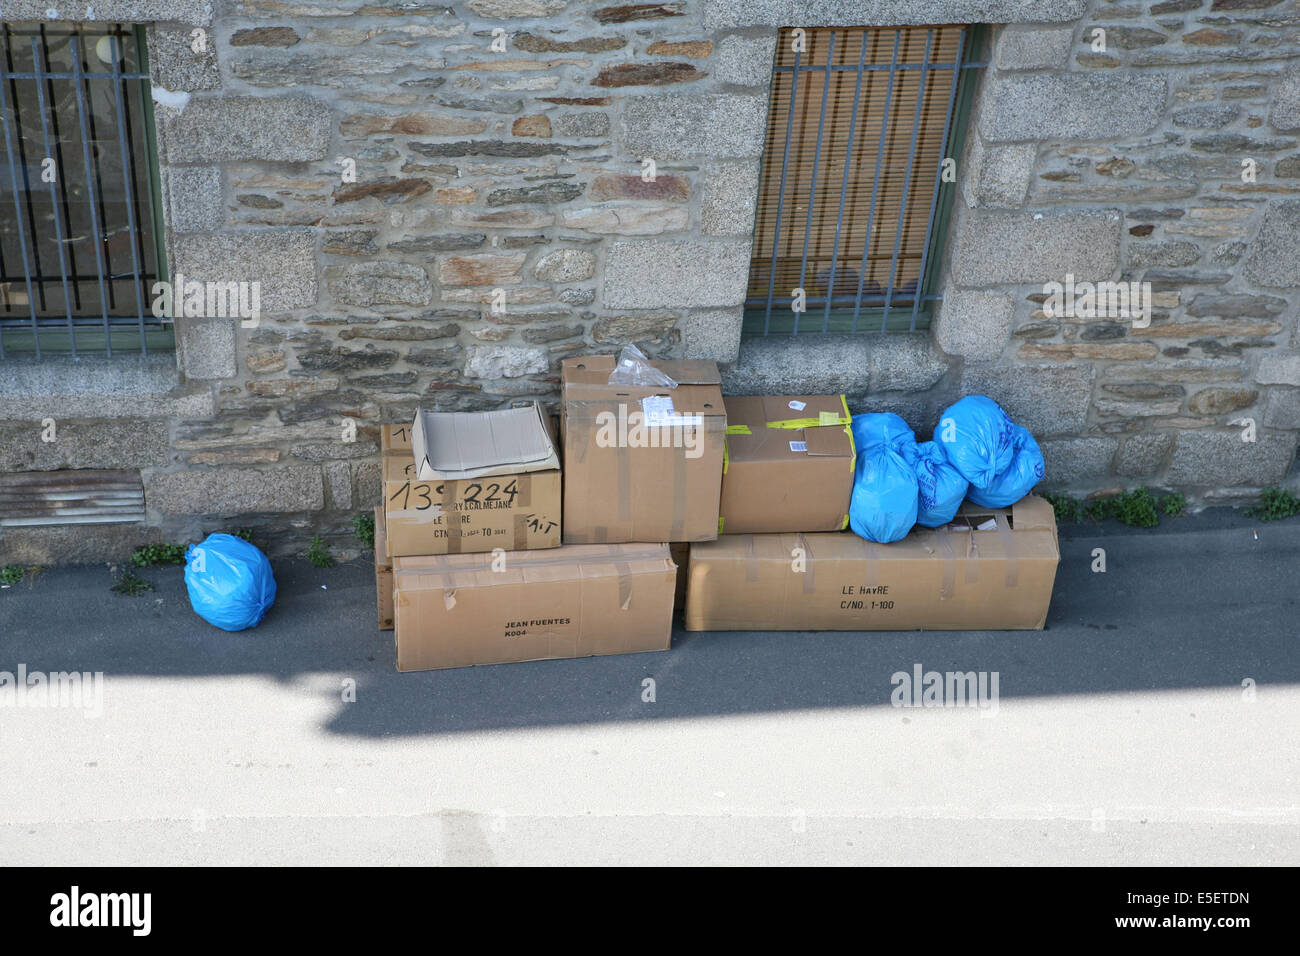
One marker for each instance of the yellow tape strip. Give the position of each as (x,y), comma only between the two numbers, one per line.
(826,418)
(738,430)
(853,448)
(726,455)
(720,520)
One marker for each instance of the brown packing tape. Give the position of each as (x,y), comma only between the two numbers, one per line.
(972,559)
(1008,548)
(751,560)
(524,485)
(579,413)
(624,584)
(949,557)
(809,579)
(871,561)
(451,518)
(678,532)
(625,486)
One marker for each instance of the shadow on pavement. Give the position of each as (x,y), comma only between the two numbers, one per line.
(1198,603)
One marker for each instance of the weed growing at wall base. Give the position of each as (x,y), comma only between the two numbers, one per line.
(1274,505)
(152,554)
(131,584)
(363,529)
(12,574)
(318,553)
(1137,508)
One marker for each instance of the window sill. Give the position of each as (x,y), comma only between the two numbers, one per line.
(831,364)
(124,386)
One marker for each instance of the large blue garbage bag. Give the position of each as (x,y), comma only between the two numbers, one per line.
(975,434)
(941,486)
(884,502)
(230,582)
(1019,478)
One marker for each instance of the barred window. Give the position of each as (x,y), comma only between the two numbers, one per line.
(853,201)
(80,231)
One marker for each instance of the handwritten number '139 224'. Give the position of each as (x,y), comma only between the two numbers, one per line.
(420,494)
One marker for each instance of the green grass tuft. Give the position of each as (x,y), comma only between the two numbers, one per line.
(1274,505)
(318,553)
(1068,510)
(1172,506)
(152,554)
(131,584)
(363,527)
(13,573)
(1136,508)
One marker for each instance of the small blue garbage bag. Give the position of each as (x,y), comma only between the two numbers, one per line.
(941,486)
(975,434)
(884,502)
(1025,471)
(229,581)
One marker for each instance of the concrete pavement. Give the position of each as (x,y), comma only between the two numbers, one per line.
(1123,732)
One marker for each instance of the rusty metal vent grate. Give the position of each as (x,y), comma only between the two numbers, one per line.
(70,497)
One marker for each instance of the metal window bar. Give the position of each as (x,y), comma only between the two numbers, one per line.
(79,249)
(857,213)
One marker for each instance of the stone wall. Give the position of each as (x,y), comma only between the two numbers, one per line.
(513,176)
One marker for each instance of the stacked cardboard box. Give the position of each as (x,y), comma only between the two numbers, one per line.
(732,509)
(575,601)
(469,566)
(788,464)
(641,463)
(473,481)
(989,569)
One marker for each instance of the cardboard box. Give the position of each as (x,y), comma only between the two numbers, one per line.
(514,512)
(508,441)
(574,601)
(395,439)
(992,569)
(641,464)
(383,574)
(515,507)
(787,464)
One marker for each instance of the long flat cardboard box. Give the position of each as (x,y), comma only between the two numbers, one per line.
(788,464)
(992,569)
(574,601)
(641,464)
(383,574)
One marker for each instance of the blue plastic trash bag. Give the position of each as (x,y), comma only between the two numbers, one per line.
(884,501)
(975,434)
(230,582)
(1025,471)
(941,486)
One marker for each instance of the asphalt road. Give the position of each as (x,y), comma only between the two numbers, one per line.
(1123,733)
